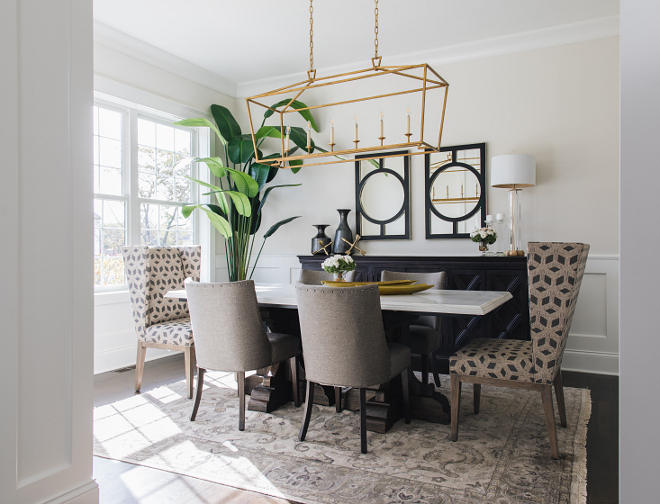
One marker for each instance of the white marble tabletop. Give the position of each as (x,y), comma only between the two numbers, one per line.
(431,301)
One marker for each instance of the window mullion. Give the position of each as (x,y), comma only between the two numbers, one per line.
(134,200)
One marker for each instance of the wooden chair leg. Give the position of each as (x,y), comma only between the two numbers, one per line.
(293,362)
(363,420)
(548,408)
(241,400)
(190,364)
(424,360)
(198,395)
(338,399)
(405,384)
(434,368)
(559,394)
(308,410)
(455,405)
(139,365)
(477,397)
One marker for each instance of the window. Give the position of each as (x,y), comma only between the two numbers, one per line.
(138,189)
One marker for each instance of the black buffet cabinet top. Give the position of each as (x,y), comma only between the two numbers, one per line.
(494,273)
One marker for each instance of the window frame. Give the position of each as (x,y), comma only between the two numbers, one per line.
(200,147)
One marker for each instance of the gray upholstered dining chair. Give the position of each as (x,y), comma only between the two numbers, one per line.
(161,322)
(311,277)
(230,336)
(344,345)
(555,273)
(424,337)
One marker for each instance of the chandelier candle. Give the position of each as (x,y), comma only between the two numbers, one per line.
(288,132)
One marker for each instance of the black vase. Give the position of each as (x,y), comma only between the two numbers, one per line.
(343,231)
(321,239)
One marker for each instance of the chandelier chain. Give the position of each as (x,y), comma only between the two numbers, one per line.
(311,35)
(376,29)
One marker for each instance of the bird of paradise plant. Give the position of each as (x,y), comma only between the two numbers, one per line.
(241,192)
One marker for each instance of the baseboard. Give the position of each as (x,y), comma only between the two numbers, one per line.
(590,362)
(118,358)
(85,494)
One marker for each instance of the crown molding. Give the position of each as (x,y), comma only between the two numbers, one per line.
(526,41)
(126,44)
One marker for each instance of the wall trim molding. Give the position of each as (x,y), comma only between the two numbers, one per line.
(120,357)
(84,494)
(605,363)
(498,46)
(119,41)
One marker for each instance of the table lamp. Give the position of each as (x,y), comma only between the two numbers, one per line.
(513,172)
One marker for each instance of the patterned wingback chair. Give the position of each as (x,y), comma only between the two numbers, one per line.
(161,322)
(555,272)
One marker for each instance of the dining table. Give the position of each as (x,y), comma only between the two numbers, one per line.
(270,387)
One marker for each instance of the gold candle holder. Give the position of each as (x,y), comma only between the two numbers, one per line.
(332,146)
(356,142)
(381,140)
(408,135)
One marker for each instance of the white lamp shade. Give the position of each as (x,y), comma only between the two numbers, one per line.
(513,170)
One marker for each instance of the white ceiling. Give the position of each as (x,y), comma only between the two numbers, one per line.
(249,40)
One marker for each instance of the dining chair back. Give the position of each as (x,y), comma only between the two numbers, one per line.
(312,277)
(344,344)
(230,336)
(161,322)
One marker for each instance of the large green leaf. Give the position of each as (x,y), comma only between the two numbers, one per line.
(267,192)
(219,222)
(201,122)
(275,227)
(297,164)
(241,203)
(259,172)
(307,115)
(272,169)
(240,149)
(268,131)
(218,191)
(244,183)
(256,216)
(225,121)
(215,165)
(299,137)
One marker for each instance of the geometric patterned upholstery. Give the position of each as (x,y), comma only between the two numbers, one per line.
(150,273)
(176,332)
(555,272)
(506,359)
(555,275)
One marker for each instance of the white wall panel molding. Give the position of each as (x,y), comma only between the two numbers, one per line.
(488,48)
(120,41)
(593,345)
(46,363)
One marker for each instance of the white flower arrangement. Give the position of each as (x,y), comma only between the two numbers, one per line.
(338,263)
(484,235)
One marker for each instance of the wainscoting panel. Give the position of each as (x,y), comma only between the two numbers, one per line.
(593,345)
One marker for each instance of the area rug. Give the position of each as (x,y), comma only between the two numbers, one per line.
(502,455)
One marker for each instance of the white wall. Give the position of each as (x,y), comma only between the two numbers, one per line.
(46,253)
(133,80)
(639,460)
(560,104)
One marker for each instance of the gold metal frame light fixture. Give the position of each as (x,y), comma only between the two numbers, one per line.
(418,80)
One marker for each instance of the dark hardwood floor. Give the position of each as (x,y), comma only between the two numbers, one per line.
(124,483)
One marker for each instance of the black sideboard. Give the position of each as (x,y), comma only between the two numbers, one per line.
(495,273)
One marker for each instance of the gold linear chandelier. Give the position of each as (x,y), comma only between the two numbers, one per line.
(395,88)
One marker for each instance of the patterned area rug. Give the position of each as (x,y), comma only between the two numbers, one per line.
(502,455)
